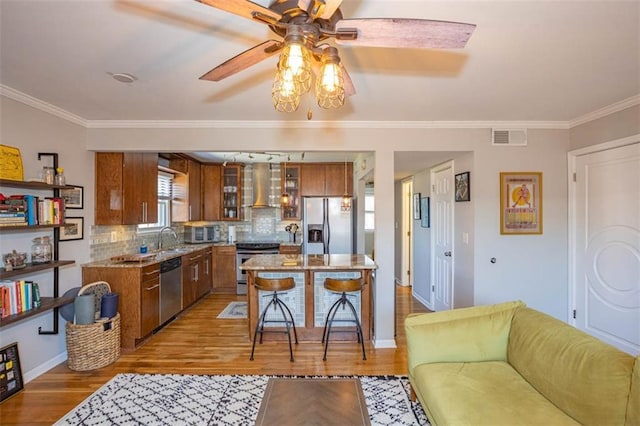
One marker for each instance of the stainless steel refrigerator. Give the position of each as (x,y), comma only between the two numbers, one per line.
(326,228)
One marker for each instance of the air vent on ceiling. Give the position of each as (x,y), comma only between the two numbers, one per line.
(509,137)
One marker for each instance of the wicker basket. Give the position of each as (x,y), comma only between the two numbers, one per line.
(94,345)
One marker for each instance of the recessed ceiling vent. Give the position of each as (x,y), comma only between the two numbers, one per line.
(509,137)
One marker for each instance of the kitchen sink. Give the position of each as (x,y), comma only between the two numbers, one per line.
(178,250)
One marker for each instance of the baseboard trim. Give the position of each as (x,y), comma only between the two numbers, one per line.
(384,344)
(43,368)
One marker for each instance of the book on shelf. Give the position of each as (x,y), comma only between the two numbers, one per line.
(18,296)
(32,210)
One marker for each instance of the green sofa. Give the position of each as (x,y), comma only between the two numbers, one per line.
(507,364)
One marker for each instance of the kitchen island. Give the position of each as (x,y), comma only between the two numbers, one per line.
(309,301)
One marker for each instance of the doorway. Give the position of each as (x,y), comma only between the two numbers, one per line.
(604,242)
(406,276)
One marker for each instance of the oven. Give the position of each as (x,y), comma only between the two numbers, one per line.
(244,252)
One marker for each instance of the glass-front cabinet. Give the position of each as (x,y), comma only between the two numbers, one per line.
(290,184)
(232,191)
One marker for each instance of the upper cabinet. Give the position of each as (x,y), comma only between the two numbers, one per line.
(186,204)
(211,191)
(126,188)
(326,179)
(232,177)
(290,184)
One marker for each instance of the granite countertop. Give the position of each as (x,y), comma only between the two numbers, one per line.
(290,262)
(160,256)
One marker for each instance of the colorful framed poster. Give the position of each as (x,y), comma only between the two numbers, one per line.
(10,371)
(520,203)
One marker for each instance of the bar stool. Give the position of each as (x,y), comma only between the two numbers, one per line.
(344,287)
(275,285)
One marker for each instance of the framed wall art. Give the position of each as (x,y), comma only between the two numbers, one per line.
(424,209)
(73,197)
(73,229)
(463,187)
(11,381)
(520,203)
(416,206)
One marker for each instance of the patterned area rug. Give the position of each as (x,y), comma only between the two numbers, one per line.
(234,310)
(171,399)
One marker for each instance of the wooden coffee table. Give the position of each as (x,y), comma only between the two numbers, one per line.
(313,402)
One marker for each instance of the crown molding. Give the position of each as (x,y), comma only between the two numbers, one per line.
(239,124)
(256,124)
(41,105)
(608,110)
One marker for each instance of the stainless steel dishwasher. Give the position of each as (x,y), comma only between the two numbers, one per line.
(170,288)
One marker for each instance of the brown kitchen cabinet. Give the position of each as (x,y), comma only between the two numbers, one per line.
(224,269)
(126,190)
(139,298)
(290,184)
(211,191)
(187,202)
(196,275)
(232,177)
(290,249)
(325,179)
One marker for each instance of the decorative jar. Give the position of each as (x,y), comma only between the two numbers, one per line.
(41,250)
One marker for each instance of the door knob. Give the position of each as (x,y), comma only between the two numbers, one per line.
(447,253)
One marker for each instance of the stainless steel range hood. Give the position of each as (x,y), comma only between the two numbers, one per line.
(261,185)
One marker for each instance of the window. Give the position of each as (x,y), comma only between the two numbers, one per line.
(165,185)
(369,204)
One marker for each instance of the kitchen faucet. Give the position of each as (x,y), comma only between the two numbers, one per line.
(175,235)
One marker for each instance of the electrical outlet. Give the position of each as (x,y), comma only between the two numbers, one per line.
(114,236)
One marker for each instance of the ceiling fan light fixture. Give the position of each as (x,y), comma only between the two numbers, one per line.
(330,83)
(296,58)
(285,92)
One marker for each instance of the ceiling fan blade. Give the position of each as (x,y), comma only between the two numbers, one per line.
(330,8)
(244,8)
(416,33)
(349,88)
(244,60)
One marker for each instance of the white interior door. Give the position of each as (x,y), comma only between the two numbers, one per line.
(606,275)
(442,233)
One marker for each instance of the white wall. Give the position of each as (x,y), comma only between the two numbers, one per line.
(464,223)
(35,131)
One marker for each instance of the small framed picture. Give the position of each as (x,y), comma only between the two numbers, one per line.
(424,209)
(463,187)
(520,203)
(73,229)
(11,381)
(73,197)
(416,206)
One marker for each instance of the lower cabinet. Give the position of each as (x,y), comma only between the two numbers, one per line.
(138,301)
(224,269)
(196,276)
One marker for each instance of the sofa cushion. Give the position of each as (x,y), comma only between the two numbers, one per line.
(479,333)
(584,377)
(633,406)
(482,393)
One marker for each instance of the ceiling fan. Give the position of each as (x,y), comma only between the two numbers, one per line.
(304,26)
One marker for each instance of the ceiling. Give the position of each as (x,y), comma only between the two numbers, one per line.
(527,61)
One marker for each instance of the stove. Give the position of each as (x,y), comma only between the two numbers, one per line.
(245,250)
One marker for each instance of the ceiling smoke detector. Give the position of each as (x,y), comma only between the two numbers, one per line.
(124,77)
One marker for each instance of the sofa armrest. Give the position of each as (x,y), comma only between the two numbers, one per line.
(479,333)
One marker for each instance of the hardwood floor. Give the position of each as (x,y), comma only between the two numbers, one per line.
(198,343)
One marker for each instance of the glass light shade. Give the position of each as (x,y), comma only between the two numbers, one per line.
(330,84)
(345,204)
(285,200)
(295,57)
(285,92)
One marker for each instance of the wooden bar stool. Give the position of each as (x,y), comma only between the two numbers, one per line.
(344,287)
(275,285)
